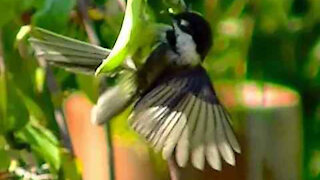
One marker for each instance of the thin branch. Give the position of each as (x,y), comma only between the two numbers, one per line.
(87,22)
(108,137)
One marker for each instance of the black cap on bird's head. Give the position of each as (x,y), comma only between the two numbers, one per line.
(198,28)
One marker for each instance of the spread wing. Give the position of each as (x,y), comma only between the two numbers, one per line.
(181,115)
(65,52)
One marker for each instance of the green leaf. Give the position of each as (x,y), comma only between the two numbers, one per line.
(40,77)
(7,11)
(42,142)
(18,69)
(5,160)
(3,96)
(11,9)
(136,33)
(46,133)
(53,14)
(15,113)
(70,167)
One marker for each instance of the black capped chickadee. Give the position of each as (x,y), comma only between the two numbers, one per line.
(176,108)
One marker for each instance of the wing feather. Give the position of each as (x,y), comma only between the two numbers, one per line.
(65,52)
(164,97)
(222,142)
(198,158)
(181,115)
(182,148)
(212,152)
(174,135)
(167,128)
(229,131)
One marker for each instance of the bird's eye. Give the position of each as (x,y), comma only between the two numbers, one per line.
(184,23)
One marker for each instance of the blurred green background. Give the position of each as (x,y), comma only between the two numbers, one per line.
(267,40)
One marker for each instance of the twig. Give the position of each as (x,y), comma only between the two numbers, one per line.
(173,169)
(88,25)
(108,136)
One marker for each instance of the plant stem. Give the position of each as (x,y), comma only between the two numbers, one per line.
(110,153)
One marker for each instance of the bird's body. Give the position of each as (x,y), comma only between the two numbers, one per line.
(176,108)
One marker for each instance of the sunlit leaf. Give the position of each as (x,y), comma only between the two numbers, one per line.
(136,32)
(24,30)
(40,79)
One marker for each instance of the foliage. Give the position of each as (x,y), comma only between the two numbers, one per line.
(267,40)
(129,40)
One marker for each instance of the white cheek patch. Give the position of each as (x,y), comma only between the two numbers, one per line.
(184,22)
(186,47)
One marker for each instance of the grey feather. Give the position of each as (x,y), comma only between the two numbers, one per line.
(163,127)
(182,148)
(222,142)
(153,101)
(181,115)
(65,52)
(212,152)
(197,156)
(229,132)
(115,99)
(183,145)
(176,132)
(175,122)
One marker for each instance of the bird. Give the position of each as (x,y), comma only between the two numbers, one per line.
(176,109)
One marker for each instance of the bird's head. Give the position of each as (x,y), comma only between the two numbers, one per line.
(191,34)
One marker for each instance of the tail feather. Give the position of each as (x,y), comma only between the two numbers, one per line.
(65,52)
